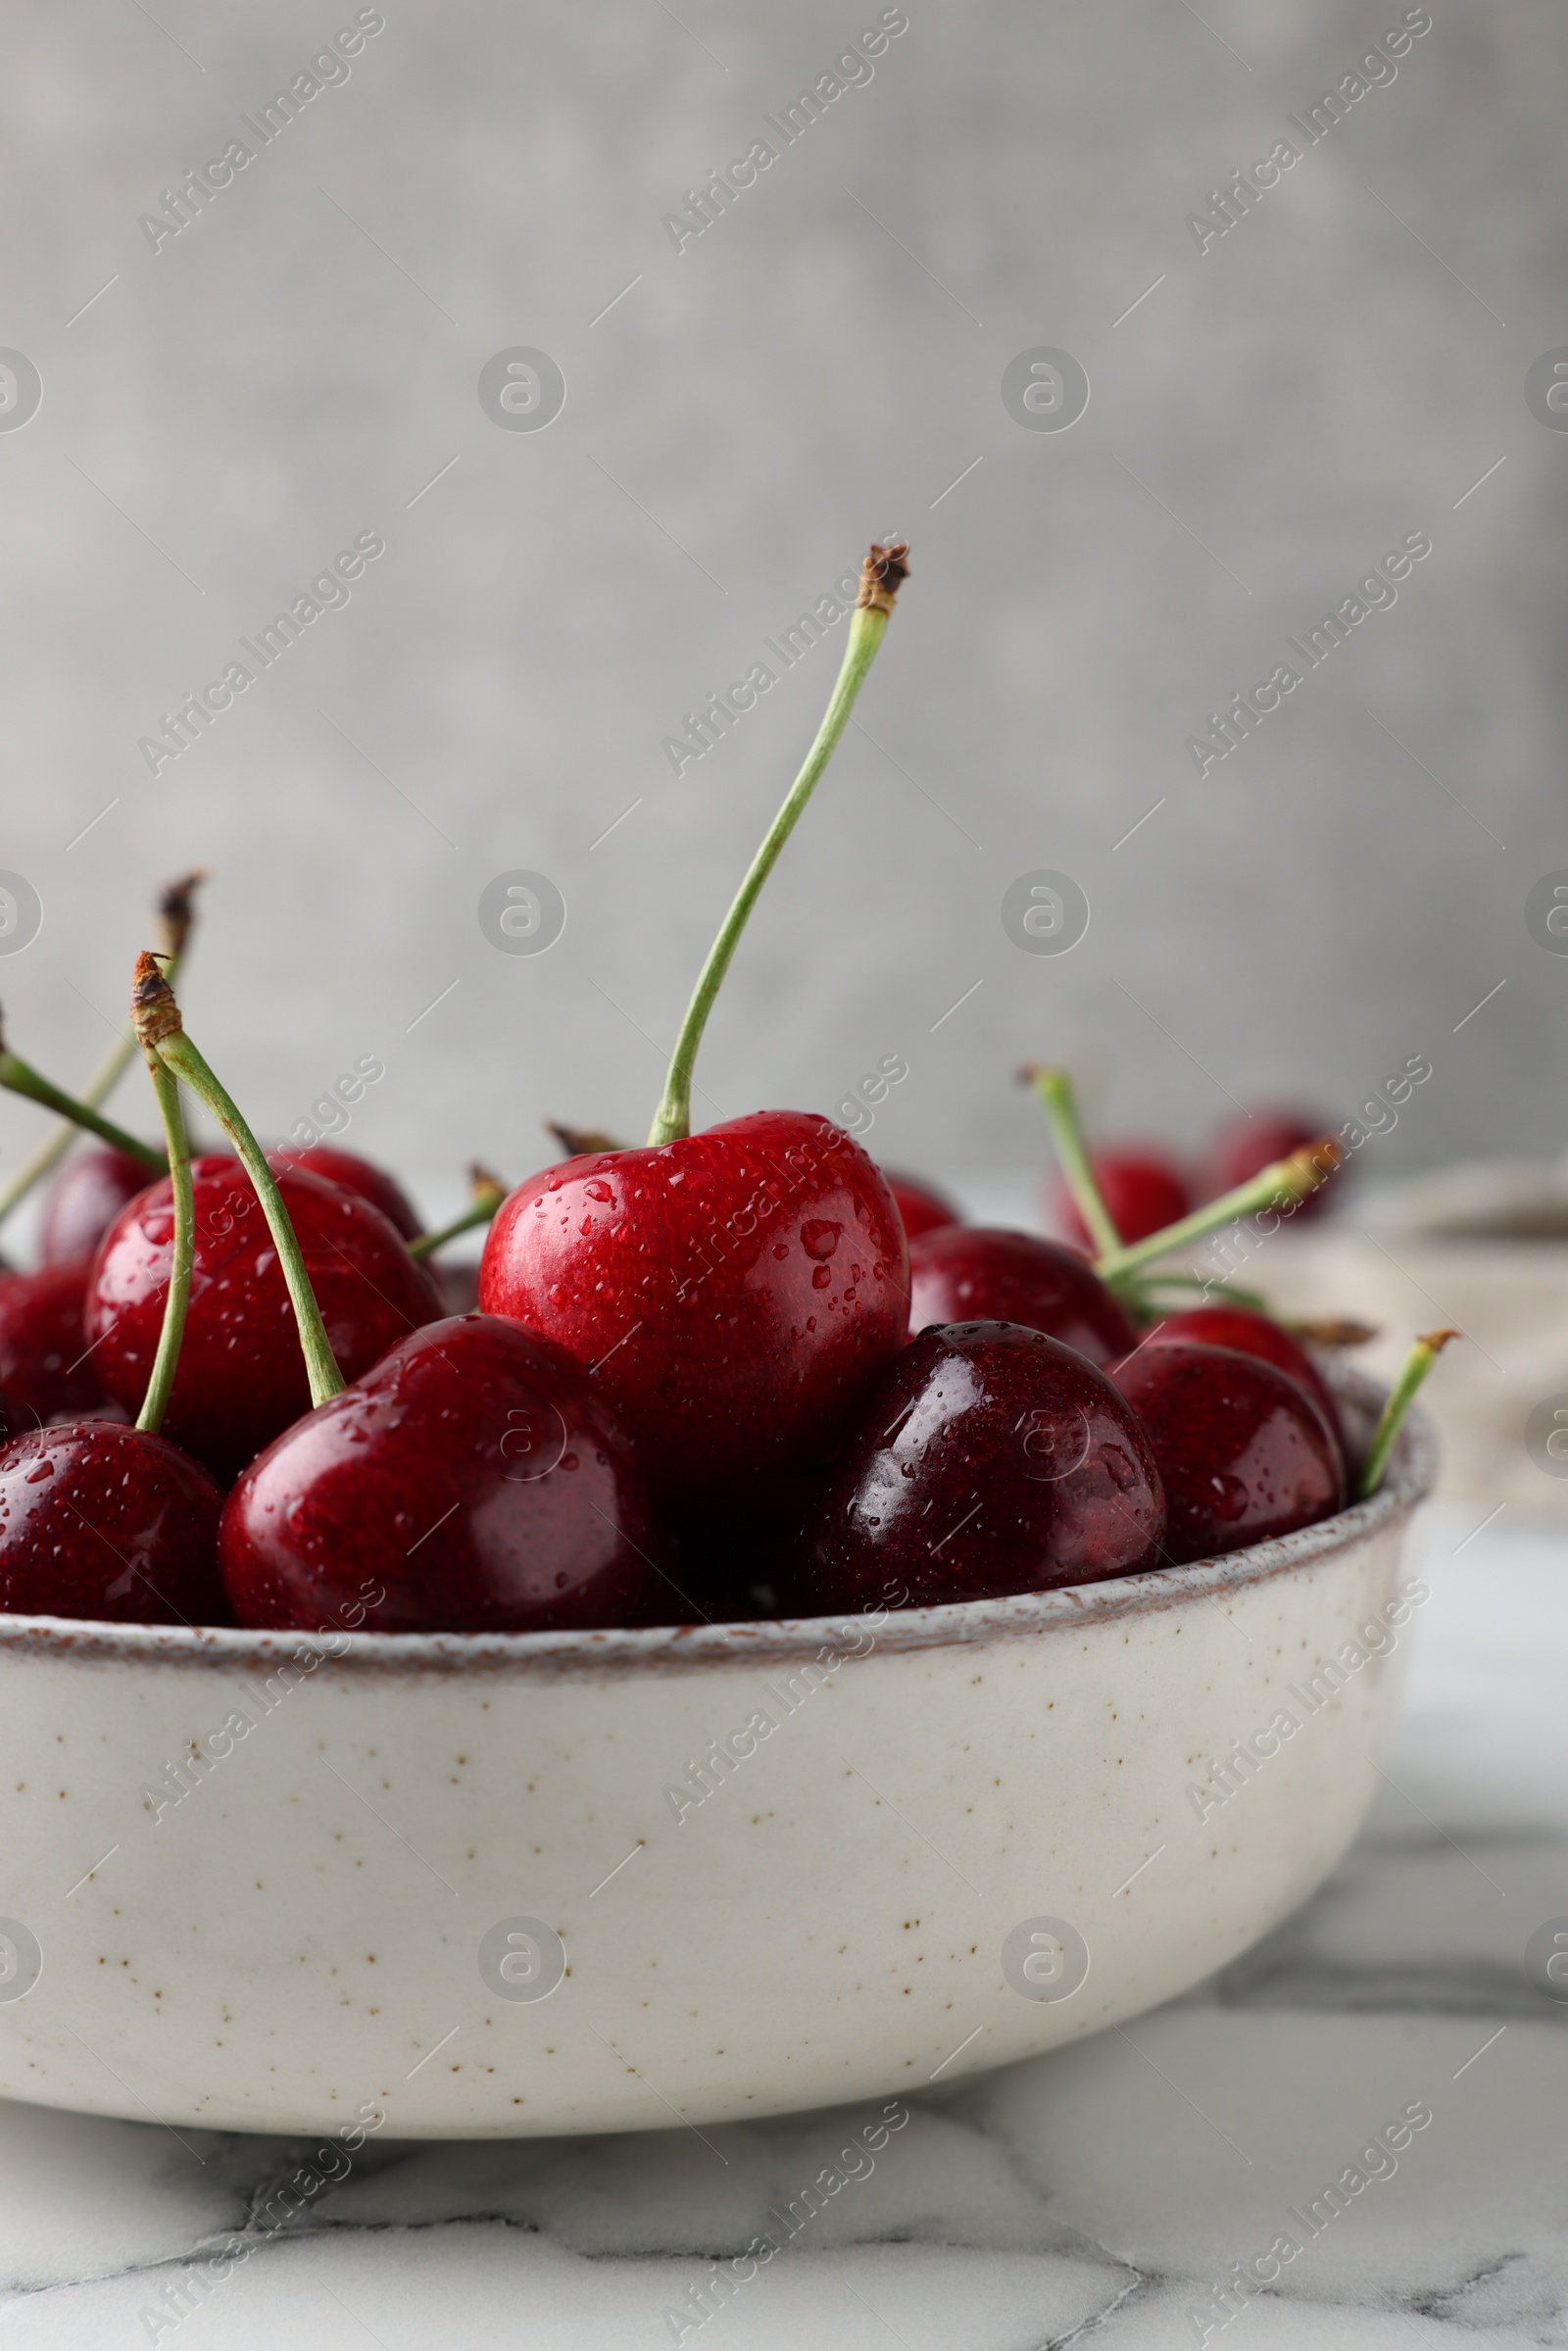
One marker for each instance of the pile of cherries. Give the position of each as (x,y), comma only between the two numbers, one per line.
(737,1374)
(726,1374)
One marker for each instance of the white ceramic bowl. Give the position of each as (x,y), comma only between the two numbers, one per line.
(455,1882)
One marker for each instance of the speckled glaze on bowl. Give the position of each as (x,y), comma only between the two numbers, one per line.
(466,1884)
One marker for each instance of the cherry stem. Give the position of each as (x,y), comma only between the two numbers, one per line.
(1282,1185)
(20,1077)
(1232,1293)
(881,575)
(179,1053)
(1417,1363)
(176,1299)
(1060,1104)
(176,914)
(160,1032)
(488,1194)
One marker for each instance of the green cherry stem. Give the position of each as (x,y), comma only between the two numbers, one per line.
(176,915)
(1417,1363)
(1145,1294)
(162,1032)
(882,574)
(488,1194)
(176,1299)
(1060,1104)
(20,1077)
(1280,1185)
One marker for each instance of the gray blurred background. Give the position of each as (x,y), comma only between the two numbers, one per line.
(1267,417)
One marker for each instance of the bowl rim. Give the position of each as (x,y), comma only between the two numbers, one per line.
(620,1651)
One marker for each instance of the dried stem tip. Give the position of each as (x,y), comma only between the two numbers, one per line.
(578,1142)
(154,1014)
(177,910)
(882,574)
(484,1184)
(1312,1165)
(1334,1330)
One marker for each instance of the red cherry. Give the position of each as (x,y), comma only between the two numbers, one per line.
(355,1174)
(476,1480)
(921,1206)
(44,1360)
(735,1292)
(978,1273)
(101,1520)
(1251,1334)
(241,1375)
(1246,1146)
(1243,1452)
(1141,1186)
(989,1459)
(83,1200)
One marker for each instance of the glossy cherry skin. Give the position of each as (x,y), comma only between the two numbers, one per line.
(736,1292)
(1243,1452)
(991,1459)
(83,1200)
(922,1208)
(983,1273)
(101,1521)
(355,1174)
(1143,1189)
(1251,1334)
(44,1360)
(1244,1146)
(241,1378)
(474,1482)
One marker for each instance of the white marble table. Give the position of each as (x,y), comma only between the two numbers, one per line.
(1102,2194)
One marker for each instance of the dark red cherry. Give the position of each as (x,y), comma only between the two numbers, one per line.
(982,1273)
(1143,1189)
(44,1360)
(1249,1334)
(355,1174)
(241,1377)
(1243,1452)
(474,1482)
(991,1459)
(922,1208)
(1246,1146)
(83,1200)
(101,1520)
(736,1292)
